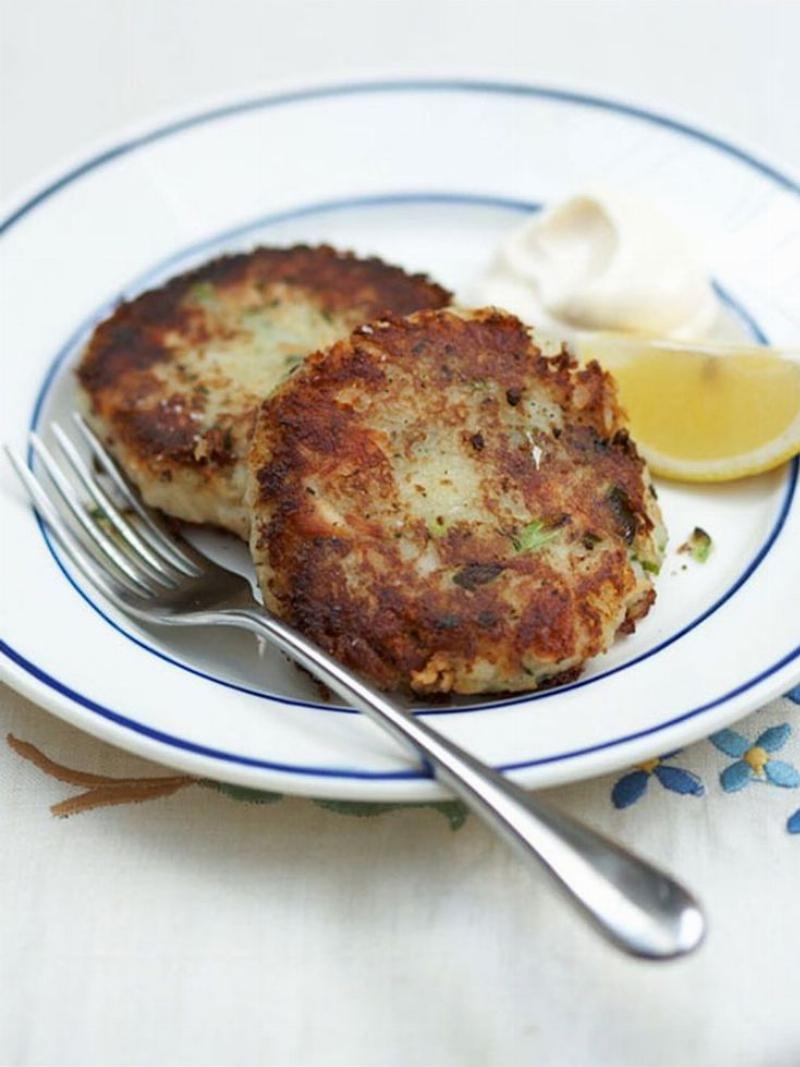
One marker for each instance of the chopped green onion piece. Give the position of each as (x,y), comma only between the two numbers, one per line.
(438,527)
(533,537)
(203,291)
(698,545)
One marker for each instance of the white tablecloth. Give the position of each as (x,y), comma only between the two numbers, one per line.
(201,926)
(202,929)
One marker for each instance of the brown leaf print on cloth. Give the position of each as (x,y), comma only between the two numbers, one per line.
(101,790)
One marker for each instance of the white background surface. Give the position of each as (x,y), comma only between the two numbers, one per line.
(72,72)
(196,931)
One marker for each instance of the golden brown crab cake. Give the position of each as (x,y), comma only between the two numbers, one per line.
(444,508)
(174,377)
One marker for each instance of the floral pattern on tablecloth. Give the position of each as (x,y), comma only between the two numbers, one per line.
(744,761)
(754,762)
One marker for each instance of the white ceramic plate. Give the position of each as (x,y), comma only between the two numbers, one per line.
(430,175)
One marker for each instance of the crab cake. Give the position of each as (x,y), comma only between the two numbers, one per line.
(174,377)
(446,509)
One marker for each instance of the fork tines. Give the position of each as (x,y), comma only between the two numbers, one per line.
(122,550)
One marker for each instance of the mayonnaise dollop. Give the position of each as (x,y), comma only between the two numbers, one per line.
(602,261)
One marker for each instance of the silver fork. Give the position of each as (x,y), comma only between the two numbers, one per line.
(158,578)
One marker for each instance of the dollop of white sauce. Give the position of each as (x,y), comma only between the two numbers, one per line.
(602,261)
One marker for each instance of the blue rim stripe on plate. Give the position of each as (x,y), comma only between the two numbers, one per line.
(150,276)
(340,772)
(431,85)
(419,85)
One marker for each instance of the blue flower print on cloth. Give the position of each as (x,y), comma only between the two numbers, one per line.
(794,694)
(754,761)
(633,785)
(793,825)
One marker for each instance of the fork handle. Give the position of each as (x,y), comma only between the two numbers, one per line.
(635,905)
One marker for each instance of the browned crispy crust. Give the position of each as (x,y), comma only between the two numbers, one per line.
(173,378)
(125,347)
(323,443)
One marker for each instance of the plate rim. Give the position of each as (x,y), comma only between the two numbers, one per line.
(64,706)
(407,786)
(102,149)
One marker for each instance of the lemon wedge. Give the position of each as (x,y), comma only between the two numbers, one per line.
(705,412)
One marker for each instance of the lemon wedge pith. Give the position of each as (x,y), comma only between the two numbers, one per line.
(705,414)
